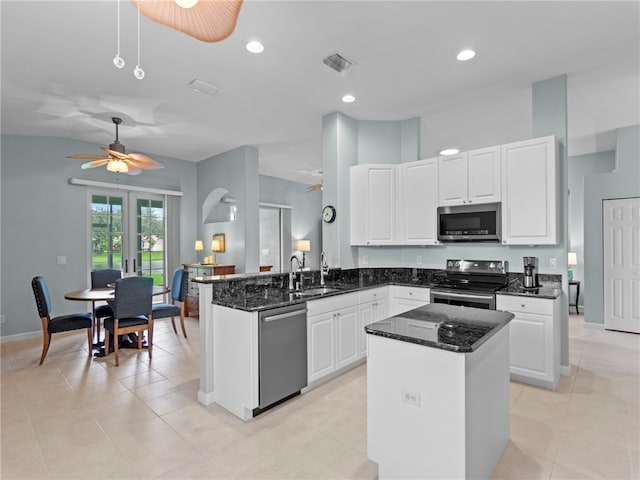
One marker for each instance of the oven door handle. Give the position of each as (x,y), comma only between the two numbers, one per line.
(463,295)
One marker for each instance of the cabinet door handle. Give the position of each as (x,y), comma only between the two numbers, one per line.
(522,305)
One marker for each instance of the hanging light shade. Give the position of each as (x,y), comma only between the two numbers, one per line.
(206,20)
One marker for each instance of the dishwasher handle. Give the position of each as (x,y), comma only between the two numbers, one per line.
(282,316)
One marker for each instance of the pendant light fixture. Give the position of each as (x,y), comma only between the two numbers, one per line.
(118,61)
(138,71)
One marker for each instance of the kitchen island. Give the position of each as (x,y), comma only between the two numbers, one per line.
(438,392)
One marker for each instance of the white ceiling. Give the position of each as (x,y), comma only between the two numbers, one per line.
(58,78)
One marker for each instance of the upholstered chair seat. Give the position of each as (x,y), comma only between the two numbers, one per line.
(179,287)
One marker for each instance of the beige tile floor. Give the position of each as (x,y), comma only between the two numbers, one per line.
(76,417)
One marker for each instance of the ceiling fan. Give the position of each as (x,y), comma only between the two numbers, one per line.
(117,160)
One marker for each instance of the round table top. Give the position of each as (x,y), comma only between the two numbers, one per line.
(98,294)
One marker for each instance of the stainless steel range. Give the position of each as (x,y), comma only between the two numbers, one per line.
(471,283)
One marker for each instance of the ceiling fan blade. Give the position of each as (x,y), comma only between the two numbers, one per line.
(144,161)
(114,154)
(133,170)
(316,186)
(95,163)
(87,156)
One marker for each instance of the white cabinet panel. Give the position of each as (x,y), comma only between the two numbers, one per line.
(529,192)
(484,175)
(372,204)
(374,307)
(347,327)
(452,179)
(470,177)
(534,339)
(418,202)
(407,298)
(321,347)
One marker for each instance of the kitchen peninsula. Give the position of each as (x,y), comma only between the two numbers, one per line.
(438,392)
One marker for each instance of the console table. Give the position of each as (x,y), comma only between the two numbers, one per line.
(202,270)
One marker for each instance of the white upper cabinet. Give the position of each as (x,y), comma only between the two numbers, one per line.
(483,173)
(452,179)
(529,192)
(372,204)
(418,202)
(470,177)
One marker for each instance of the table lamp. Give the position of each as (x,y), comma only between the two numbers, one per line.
(215,247)
(198,248)
(572,259)
(304,246)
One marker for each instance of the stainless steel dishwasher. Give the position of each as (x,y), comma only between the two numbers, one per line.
(283,354)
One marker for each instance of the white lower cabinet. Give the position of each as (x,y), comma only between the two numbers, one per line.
(534,339)
(374,306)
(332,334)
(404,298)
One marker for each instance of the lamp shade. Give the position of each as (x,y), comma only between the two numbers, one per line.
(215,245)
(304,245)
(199,246)
(572,258)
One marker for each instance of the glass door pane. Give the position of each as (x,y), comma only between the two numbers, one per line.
(107,234)
(149,237)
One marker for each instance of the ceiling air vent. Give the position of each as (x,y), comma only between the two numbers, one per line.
(340,64)
(203,87)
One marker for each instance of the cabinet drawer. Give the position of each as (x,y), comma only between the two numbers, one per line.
(374,294)
(512,303)
(335,302)
(412,293)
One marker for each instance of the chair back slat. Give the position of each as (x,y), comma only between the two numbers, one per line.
(102,277)
(41,292)
(179,285)
(132,297)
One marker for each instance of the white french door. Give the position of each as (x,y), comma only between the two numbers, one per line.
(621,243)
(128,232)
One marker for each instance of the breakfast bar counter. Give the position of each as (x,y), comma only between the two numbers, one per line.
(438,392)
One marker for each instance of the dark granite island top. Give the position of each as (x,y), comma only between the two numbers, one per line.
(449,327)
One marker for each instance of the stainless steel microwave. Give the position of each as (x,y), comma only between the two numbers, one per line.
(469,223)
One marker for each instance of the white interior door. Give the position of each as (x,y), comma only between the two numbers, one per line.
(621,227)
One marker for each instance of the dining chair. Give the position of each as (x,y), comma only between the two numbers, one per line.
(132,313)
(102,278)
(61,323)
(179,285)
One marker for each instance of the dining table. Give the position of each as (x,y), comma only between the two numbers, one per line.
(103,294)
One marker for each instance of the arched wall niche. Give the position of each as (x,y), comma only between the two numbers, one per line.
(219,206)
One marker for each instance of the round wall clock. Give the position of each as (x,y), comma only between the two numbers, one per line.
(329,213)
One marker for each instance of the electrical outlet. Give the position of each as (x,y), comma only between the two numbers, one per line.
(553,263)
(365,259)
(61,260)
(411,397)
(419,259)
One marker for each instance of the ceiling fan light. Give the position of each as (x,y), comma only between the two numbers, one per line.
(117,166)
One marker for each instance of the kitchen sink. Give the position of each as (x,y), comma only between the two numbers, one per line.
(312,292)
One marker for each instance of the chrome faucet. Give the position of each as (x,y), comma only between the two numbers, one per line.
(324,267)
(292,273)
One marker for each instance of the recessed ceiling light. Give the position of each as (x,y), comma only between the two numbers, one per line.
(449,151)
(348,98)
(255,47)
(465,55)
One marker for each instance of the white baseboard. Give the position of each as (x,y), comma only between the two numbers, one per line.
(565,370)
(20,336)
(205,398)
(596,326)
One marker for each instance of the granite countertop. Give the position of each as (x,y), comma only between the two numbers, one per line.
(448,327)
(546,290)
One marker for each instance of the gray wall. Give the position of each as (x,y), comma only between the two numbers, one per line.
(624,182)
(43,217)
(579,167)
(306,221)
(237,172)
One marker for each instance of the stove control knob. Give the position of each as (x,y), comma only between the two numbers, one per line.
(492,265)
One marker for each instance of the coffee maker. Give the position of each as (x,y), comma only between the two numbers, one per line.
(530,272)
